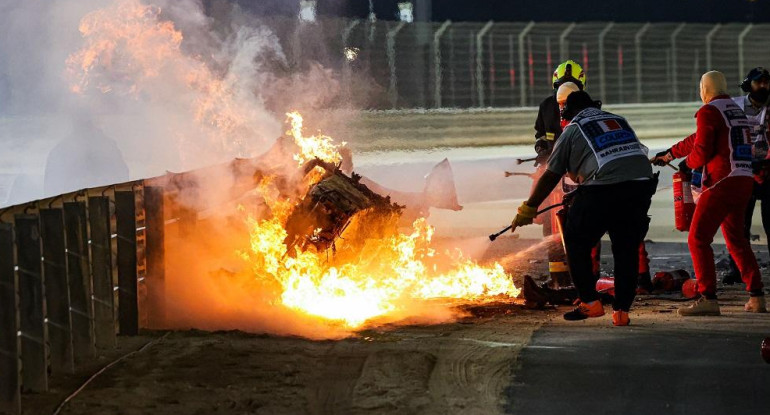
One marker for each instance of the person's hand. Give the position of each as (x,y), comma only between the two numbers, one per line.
(662,158)
(684,168)
(542,147)
(525,216)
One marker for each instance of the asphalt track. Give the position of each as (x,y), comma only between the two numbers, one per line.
(574,369)
(660,364)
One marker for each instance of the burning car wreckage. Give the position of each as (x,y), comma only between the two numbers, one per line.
(336,195)
(335,241)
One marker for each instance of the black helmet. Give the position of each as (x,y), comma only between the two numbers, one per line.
(754,75)
(576,102)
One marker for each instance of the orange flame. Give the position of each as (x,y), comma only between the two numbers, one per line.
(128,49)
(313,147)
(388,272)
(380,278)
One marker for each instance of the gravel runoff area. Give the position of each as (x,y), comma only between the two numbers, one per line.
(500,358)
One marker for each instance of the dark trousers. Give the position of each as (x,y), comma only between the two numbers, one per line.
(762,194)
(620,210)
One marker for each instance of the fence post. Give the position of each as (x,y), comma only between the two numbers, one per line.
(563,48)
(10,400)
(522,67)
(741,37)
(474,96)
(391,50)
(709,37)
(101,268)
(57,291)
(492,71)
(437,98)
(480,61)
(621,91)
(156,256)
(346,72)
(602,80)
(346,32)
(674,66)
(128,313)
(511,69)
(669,71)
(79,275)
(34,357)
(638,47)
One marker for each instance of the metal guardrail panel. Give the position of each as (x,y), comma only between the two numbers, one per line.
(101,269)
(156,255)
(10,400)
(128,313)
(34,353)
(79,275)
(57,291)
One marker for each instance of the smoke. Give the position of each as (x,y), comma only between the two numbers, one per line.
(171,85)
(198,111)
(130,89)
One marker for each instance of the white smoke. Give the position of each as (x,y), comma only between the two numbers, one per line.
(167,86)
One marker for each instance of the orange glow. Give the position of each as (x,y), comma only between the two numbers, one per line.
(129,50)
(368,280)
(320,147)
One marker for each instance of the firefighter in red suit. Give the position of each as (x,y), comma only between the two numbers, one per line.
(721,150)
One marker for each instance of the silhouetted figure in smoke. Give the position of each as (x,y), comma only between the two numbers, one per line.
(87,158)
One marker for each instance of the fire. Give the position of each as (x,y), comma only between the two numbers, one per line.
(313,147)
(365,282)
(388,272)
(130,50)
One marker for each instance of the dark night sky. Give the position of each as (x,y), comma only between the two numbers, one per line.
(543,10)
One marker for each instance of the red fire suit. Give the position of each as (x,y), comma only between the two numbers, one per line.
(727,188)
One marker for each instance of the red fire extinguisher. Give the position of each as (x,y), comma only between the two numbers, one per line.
(684,205)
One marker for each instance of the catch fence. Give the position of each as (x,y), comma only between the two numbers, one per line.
(476,65)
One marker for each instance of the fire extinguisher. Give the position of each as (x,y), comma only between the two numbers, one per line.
(684,205)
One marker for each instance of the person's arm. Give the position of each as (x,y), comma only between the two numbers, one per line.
(526,213)
(678,150)
(556,163)
(683,148)
(557,166)
(704,144)
(543,188)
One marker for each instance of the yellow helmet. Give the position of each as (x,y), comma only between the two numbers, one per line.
(569,71)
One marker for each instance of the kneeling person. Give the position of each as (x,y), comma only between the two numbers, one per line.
(600,152)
